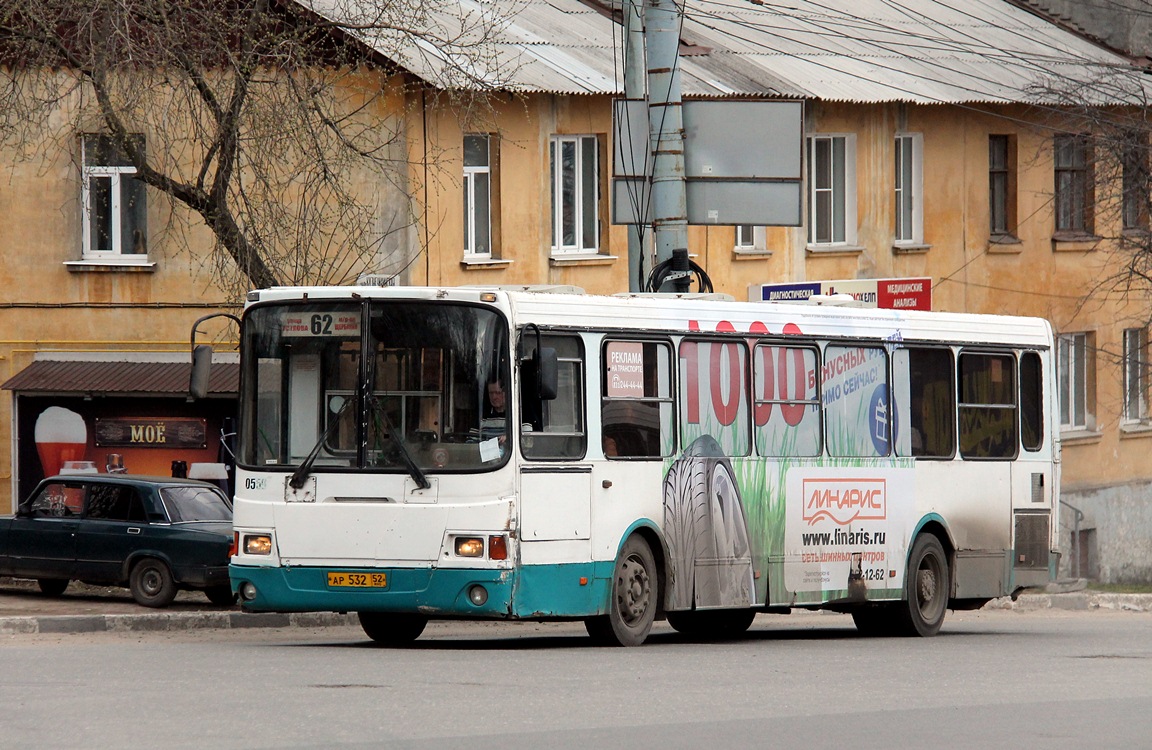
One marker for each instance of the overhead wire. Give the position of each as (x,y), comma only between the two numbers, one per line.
(829,26)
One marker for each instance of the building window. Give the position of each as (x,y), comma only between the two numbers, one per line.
(1077,381)
(831,189)
(909,219)
(1074,189)
(1002,185)
(1134,178)
(751,239)
(575,173)
(1135,374)
(477,196)
(115,202)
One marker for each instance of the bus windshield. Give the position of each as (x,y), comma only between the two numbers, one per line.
(399,387)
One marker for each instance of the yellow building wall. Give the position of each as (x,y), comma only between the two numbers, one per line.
(1035,277)
(47,305)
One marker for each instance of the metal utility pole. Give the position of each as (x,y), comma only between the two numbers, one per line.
(666,131)
(635,88)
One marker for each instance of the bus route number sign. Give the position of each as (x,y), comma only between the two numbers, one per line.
(320,323)
(340,579)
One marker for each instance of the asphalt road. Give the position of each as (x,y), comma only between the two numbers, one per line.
(991,679)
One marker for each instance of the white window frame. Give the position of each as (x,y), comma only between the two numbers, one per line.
(115,175)
(848,189)
(1075,378)
(750,239)
(579,209)
(471,173)
(909,162)
(1134,369)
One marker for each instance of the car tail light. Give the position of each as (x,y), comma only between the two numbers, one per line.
(235,546)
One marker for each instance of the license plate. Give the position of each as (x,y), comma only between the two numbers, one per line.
(358,580)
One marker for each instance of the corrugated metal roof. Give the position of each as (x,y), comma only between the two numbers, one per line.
(928,51)
(120,378)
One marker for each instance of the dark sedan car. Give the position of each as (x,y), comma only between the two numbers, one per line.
(154,535)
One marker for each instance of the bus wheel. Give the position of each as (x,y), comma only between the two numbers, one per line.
(926,590)
(392,628)
(875,620)
(712,624)
(634,598)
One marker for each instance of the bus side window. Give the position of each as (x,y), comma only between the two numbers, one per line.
(1031,401)
(786,401)
(714,398)
(987,405)
(553,428)
(925,403)
(856,401)
(636,406)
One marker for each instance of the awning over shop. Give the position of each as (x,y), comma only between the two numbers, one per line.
(119,378)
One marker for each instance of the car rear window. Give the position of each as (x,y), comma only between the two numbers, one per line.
(115,503)
(195,504)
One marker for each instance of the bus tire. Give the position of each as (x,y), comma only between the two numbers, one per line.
(875,620)
(222,596)
(634,597)
(712,624)
(926,589)
(392,628)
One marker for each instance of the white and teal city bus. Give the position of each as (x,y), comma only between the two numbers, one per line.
(689,459)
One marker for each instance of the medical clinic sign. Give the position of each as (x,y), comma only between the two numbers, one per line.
(888,294)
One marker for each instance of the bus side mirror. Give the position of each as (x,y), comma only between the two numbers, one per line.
(201,367)
(547,374)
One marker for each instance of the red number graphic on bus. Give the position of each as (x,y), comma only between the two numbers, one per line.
(726,401)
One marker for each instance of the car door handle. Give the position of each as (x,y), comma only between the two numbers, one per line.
(133,529)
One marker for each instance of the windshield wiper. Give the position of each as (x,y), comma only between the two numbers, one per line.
(414,469)
(296,481)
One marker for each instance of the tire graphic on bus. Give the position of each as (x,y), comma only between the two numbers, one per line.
(706,531)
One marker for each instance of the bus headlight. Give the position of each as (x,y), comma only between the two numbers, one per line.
(257,544)
(469,546)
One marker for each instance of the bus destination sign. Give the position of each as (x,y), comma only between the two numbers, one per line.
(320,323)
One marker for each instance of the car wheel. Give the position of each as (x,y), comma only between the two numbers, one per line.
(52,586)
(392,628)
(151,583)
(221,595)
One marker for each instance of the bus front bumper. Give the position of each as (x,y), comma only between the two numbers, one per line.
(542,592)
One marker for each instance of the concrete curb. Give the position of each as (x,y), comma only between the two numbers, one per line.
(161,621)
(174,621)
(1079,600)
